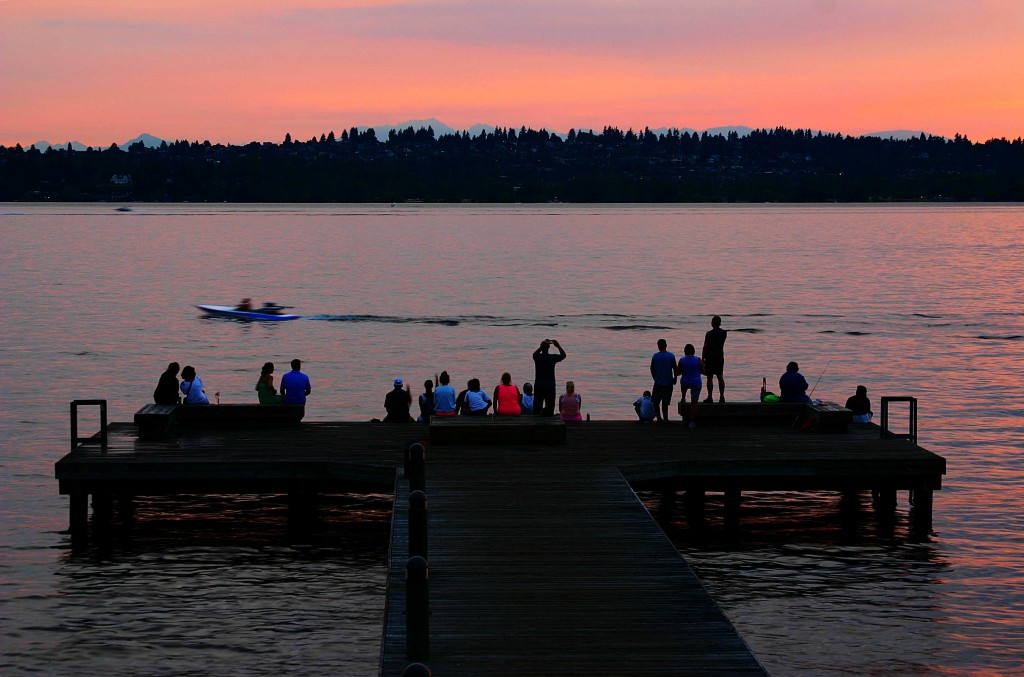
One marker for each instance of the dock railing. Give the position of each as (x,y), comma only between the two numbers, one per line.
(911,433)
(75,439)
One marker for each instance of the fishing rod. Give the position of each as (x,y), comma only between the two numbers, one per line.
(819,378)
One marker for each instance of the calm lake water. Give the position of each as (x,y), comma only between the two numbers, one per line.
(915,300)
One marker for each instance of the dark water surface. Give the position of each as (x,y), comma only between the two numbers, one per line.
(905,299)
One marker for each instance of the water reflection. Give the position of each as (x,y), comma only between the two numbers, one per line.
(194,586)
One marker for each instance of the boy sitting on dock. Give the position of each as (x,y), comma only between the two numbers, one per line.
(645,408)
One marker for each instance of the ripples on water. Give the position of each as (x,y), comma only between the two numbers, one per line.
(907,299)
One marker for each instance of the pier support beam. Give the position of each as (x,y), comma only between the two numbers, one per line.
(79,519)
(883,500)
(921,513)
(732,507)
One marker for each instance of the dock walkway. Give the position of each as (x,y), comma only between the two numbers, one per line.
(542,559)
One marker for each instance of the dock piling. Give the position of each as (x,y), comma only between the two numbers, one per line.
(417,467)
(418,524)
(417,609)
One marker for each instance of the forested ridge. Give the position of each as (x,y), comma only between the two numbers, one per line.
(526,165)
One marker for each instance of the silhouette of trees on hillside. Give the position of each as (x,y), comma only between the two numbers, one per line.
(527,165)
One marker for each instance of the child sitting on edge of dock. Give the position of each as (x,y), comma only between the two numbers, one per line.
(644,408)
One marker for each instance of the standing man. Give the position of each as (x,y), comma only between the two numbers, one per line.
(295,385)
(713,354)
(544,384)
(663,369)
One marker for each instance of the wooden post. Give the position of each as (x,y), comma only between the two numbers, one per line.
(417,670)
(921,513)
(79,518)
(417,609)
(417,467)
(732,507)
(884,500)
(418,524)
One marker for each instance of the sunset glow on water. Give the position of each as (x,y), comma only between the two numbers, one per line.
(906,299)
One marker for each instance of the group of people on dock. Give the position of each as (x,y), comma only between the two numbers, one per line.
(537,399)
(295,386)
(439,397)
(666,370)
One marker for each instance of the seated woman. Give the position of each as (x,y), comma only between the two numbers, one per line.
(507,397)
(476,401)
(265,389)
(860,405)
(192,387)
(569,404)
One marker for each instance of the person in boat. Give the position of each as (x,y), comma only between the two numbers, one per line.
(265,390)
(793,385)
(397,403)
(192,387)
(475,401)
(860,405)
(245,305)
(569,404)
(426,402)
(167,388)
(713,356)
(295,385)
(507,397)
(690,368)
(271,308)
(444,395)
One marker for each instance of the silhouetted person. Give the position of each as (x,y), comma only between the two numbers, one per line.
(690,367)
(793,385)
(663,370)
(167,388)
(713,355)
(295,385)
(544,383)
(860,405)
(397,403)
(426,401)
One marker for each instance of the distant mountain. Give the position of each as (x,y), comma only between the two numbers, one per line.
(898,134)
(43,146)
(148,140)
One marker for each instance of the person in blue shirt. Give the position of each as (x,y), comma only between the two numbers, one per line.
(793,385)
(295,385)
(644,408)
(663,370)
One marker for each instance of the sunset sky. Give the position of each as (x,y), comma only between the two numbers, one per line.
(233,71)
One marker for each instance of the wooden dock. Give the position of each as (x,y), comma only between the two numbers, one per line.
(541,558)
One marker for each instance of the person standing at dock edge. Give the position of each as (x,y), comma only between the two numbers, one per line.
(544,383)
(295,385)
(713,356)
(663,370)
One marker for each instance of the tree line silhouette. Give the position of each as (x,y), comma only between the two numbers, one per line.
(527,165)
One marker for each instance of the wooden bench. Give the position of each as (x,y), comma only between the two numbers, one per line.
(828,416)
(502,429)
(155,420)
(253,415)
